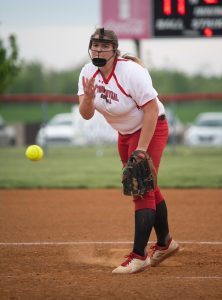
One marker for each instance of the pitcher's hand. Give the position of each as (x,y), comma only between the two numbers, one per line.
(89,88)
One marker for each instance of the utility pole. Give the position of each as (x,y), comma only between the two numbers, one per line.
(138,47)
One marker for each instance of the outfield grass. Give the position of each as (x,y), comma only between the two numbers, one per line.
(38,112)
(100,168)
(187,111)
(32,112)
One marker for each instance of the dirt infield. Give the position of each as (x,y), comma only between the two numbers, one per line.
(63,244)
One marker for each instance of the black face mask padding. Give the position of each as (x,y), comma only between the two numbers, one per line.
(99,62)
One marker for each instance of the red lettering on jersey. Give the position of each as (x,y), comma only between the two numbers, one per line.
(107,94)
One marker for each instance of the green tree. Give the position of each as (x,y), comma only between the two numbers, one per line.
(35,79)
(9,64)
(30,80)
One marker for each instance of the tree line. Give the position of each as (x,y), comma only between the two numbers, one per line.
(18,77)
(33,78)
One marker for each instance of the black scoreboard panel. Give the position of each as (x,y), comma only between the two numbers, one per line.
(187,18)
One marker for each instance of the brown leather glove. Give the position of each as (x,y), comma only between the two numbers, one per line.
(139,174)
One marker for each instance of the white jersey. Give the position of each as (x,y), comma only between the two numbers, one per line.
(119,97)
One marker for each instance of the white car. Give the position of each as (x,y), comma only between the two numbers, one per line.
(7,134)
(176,128)
(59,130)
(206,130)
(72,129)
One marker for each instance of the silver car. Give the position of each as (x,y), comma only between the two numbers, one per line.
(59,130)
(176,128)
(72,129)
(206,130)
(7,134)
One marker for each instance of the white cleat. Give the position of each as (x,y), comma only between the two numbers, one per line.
(161,253)
(134,264)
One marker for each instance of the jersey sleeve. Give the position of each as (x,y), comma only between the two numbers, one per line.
(87,71)
(80,85)
(140,85)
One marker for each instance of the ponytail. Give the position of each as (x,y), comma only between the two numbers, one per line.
(134,58)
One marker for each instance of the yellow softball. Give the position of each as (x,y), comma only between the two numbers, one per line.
(34,152)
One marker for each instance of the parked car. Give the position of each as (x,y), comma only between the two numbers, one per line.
(7,134)
(206,130)
(59,130)
(72,129)
(176,128)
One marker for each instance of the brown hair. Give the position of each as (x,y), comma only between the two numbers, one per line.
(134,58)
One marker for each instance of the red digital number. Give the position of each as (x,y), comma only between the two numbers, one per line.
(181,9)
(167,7)
(211,1)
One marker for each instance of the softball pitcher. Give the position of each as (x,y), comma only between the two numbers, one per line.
(121,89)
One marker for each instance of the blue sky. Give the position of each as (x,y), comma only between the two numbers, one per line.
(56,33)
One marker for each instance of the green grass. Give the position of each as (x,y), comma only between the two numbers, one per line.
(191,167)
(85,168)
(60,167)
(32,112)
(38,112)
(187,111)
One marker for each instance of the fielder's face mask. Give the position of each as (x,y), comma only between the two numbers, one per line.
(99,61)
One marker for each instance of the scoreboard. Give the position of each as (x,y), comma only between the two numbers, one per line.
(187,18)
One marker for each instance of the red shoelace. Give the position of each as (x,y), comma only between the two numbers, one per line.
(129,258)
(154,248)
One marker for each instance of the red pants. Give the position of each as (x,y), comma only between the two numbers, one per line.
(128,143)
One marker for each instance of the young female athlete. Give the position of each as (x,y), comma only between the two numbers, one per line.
(121,90)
